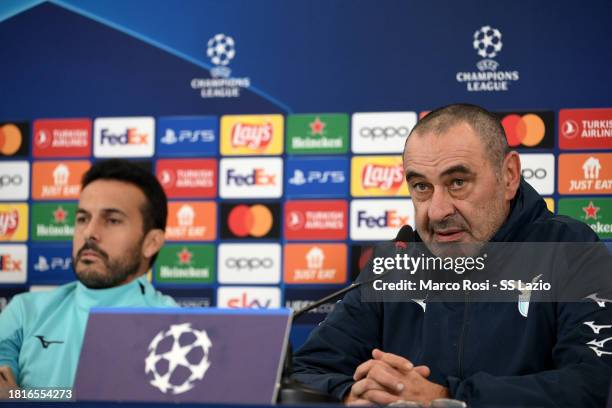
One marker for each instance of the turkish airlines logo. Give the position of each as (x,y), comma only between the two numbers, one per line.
(251,134)
(322,219)
(321,263)
(251,178)
(62,138)
(373,220)
(124,137)
(248,297)
(585,128)
(194,178)
(381,132)
(13,267)
(585,173)
(377,176)
(539,171)
(249,263)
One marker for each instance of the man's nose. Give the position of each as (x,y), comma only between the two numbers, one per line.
(92,230)
(440,206)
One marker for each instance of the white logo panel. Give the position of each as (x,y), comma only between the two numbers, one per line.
(251,178)
(14,180)
(379,220)
(13,261)
(381,132)
(539,171)
(249,263)
(251,297)
(124,137)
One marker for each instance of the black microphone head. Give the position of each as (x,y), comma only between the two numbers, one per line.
(405,234)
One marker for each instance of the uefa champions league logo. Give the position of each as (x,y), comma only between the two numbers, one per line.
(177,358)
(487,41)
(221,50)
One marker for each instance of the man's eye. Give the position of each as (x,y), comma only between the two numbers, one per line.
(419,187)
(114,221)
(458,183)
(80,220)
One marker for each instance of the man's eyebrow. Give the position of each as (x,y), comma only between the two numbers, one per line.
(112,211)
(460,168)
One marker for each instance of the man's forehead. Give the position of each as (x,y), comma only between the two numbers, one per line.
(102,195)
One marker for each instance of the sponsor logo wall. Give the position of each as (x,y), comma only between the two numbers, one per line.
(267,210)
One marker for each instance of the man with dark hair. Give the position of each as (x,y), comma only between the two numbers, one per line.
(468,195)
(120,223)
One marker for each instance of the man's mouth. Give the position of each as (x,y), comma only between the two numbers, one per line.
(449,235)
(89,256)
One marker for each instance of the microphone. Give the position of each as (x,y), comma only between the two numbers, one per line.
(292,391)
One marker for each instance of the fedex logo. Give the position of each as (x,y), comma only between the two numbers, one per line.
(388,219)
(248,297)
(258,177)
(131,137)
(251,178)
(13,260)
(124,137)
(373,220)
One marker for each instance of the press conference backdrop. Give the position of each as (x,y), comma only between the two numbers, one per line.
(276,128)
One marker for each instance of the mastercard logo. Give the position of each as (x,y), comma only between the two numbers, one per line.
(10,139)
(527,130)
(255,220)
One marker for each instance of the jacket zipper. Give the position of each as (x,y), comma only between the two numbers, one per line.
(463,329)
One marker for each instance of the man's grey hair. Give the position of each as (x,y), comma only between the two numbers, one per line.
(485,124)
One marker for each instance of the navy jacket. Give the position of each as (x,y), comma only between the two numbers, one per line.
(487,354)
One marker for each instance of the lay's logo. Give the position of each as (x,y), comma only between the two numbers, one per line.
(378,176)
(251,134)
(13,222)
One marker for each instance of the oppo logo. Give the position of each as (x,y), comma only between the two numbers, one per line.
(249,263)
(538,173)
(384,132)
(7,180)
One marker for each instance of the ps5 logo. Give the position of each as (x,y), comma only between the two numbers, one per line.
(299,178)
(57,262)
(188,136)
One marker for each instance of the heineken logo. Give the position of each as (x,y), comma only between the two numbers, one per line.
(53,222)
(318,133)
(186,264)
(595,212)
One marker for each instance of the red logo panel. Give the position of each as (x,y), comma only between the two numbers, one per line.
(195,178)
(585,129)
(62,138)
(316,220)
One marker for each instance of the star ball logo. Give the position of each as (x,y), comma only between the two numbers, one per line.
(221,50)
(487,42)
(178,357)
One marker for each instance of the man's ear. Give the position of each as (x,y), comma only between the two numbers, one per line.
(153,242)
(511,174)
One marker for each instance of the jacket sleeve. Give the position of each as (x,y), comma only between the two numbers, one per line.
(11,335)
(582,354)
(334,349)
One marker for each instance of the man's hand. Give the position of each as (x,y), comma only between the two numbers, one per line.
(388,378)
(7,381)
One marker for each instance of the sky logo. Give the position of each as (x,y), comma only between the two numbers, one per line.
(317,177)
(187,136)
(254,297)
